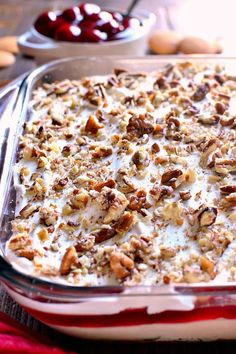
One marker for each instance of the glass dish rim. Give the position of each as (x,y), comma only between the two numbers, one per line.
(11,276)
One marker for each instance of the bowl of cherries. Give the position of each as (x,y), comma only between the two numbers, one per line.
(84,30)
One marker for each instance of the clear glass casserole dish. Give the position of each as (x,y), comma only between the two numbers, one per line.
(170,312)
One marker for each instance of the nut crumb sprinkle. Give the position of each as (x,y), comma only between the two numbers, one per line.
(128,179)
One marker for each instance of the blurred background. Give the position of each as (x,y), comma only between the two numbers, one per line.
(209,19)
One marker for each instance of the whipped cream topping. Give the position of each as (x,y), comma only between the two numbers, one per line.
(129,178)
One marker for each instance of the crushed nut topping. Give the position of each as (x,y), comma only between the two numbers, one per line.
(128,178)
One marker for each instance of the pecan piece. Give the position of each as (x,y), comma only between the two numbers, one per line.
(209,120)
(229,201)
(85,244)
(207,216)
(104,234)
(201,92)
(69,260)
(92,125)
(209,148)
(121,264)
(110,183)
(48,216)
(227,122)
(138,201)
(28,210)
(155,148)
(185,195)
(114,202)
(224,166)
(173,178)
(138,126)
(60,184)
(228,189)
(20,241)
(102,151)
(125,223)
(207,266)
(141,159)
(27,253)
(79,199)
(158,192)
(220,108)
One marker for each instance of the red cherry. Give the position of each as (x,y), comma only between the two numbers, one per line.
(44,22)
(110,27)
(131,22)
(68,33)
(84,24)
(71,14)
(93,35)
(104,16)
(117,16)
(88,9)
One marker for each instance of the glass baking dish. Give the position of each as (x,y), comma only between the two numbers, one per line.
(169,312)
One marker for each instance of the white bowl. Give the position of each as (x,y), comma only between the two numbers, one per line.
(44,49)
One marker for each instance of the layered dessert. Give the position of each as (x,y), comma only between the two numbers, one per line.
(129,179)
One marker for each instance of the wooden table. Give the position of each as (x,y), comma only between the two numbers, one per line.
(15,18)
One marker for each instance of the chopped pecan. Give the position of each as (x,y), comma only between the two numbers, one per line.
(224,166)
(43,234)
(161,160)
(228,189)
(185,195)
(173,211)
(227,122)
(121,264)
(110,183)
(209,148)
(158,129)
(104,234)
(114,202)
(24,171)
(158,192)
(155,148)
(27,253)
(229,201)
(48,216)
(85,244)
(173,122)
(69,260)
(209,120)
(124,183)
(220,108)
(201,92)
(173,177)
(207,266)
(92,125)
(60,184)
(102,151)
(138,126)
(125,223)
(138,201)
(141,159)
(28,210)
(207,216)
(20,241)
(79,199)
(69,150)
(217,240)
(167,252)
